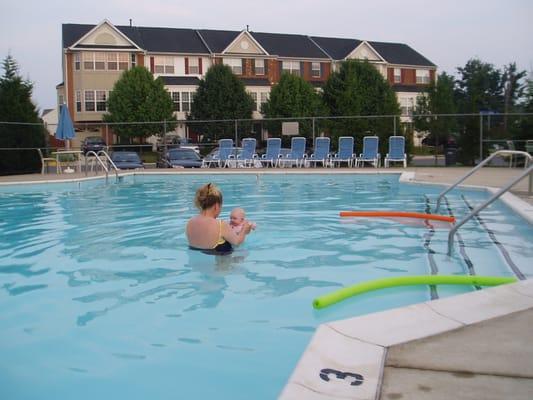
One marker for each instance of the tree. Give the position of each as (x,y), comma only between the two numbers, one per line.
(16,106)
(438,98)
(478,89)
(358,89)
(293,97)
(138,97)
(220,96)
(513,90)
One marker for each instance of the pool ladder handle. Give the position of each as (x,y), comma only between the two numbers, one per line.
(106,169)
(506,188)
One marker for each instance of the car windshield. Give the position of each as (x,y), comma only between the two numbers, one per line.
(94,140)
(125,157)
(183,155)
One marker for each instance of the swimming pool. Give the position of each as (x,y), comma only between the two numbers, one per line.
(102,298)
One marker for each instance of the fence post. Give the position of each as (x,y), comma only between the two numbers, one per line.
(313,130)
(394,124)
(480,137)
(236,135)
(165,135)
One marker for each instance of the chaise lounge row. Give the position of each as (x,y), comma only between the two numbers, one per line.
(322,155)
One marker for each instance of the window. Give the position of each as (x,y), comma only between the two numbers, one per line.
(422,76)
(88,60)
(77,61)
(254,97)
(164,65)
(133,60)
(193,66)
(185,102)
(235,64)
(264,99)
(101,100)
(397,75)
(123,61)
(78,100)
(99,61)
(291,67)
(89,100)
(259,67)
(315,70)
(407,106)
(176,100)
(112,61)
(60,99)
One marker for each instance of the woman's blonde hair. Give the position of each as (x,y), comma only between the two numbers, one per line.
(207,196)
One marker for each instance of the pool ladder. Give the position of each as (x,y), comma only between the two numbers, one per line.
(528,170)
(104,166)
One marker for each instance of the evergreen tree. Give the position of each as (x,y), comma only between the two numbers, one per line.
(138,97)
(221,96)
(359,89)
(513,91)
(16,106)
(438,98)
(293,97)
(478,89)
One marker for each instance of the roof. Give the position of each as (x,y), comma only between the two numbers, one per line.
(337,48)
(180,80)
(255,81)
(46,111)
(408,88)
(399,53)
(206,41)
(285,45)
(216,40)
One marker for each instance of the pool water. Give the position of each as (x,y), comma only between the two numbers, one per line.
(101,297)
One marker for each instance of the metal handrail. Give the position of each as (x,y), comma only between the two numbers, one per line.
(104,166)
(480,165)
(476,210)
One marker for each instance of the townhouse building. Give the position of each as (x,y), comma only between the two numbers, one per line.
(94,56)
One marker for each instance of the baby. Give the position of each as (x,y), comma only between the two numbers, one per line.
(237,218)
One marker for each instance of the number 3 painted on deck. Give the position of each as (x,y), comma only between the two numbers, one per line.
(357,378)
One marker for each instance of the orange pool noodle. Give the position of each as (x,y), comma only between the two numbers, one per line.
(404,214)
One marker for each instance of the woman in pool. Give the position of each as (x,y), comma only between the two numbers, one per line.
(205,231)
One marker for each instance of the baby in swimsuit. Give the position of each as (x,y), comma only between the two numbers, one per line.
(237,219)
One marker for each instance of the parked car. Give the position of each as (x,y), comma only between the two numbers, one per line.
(127,160)
(180,158)
(172,141)
(93,143)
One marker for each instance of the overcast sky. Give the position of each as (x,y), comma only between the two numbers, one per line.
(447,32)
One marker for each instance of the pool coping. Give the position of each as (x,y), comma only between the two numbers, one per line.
(355,349)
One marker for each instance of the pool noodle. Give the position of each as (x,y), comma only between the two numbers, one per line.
(397,214)
(350,291)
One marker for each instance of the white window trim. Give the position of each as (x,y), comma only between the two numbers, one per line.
(291,67)
(194,66)
(165,63)
(94,100)
(399,75)
(262,67)
(234,63)
(313,69)
(422,76)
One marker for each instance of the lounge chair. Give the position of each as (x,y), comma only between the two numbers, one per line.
(370,151)
(396,151)
(321,152)
(297,154)
(225,153)
(271,157)
(248,155)
(346,153)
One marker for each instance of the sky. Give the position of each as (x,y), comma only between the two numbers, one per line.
(447,32)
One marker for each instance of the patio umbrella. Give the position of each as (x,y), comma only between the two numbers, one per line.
(65,127)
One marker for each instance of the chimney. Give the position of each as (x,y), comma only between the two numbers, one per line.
(247,28)
(130,23)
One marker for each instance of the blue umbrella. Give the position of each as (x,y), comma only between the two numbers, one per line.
(65,128)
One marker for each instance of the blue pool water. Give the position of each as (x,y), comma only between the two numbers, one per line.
(101,298)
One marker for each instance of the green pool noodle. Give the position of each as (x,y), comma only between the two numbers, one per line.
(350,291)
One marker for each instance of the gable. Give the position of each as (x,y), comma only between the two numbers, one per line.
(244,43)
(104,35)
(364,52)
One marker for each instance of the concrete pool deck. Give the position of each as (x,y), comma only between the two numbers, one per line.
(471,346)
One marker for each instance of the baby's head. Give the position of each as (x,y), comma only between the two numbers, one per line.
(237,216)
